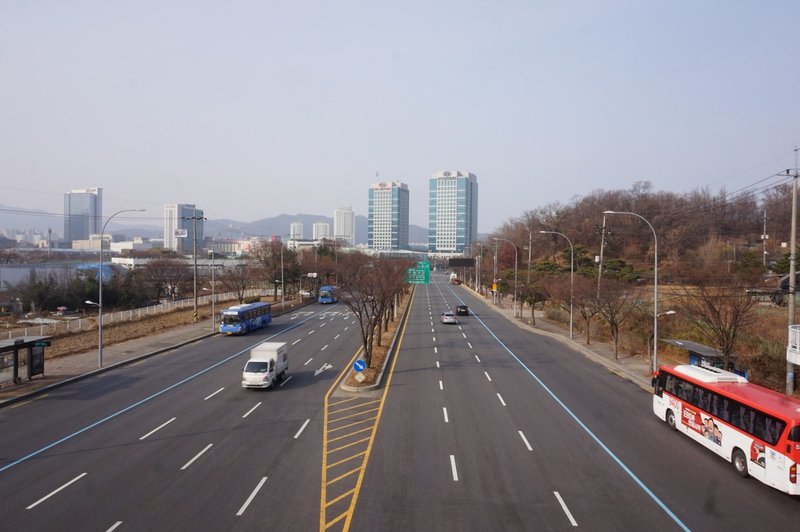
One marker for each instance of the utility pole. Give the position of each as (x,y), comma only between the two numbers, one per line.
(764,237)
(194,219)
(792,268)
(530,242)
(600,263)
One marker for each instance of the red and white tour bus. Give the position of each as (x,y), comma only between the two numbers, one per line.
(756,429)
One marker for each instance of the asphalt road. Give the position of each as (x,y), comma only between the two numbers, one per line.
(488,426)
(175,443)
(479,426)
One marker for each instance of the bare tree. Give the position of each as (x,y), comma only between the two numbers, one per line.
(719,311)
(357,292)
(238,278)
(613,303)
(167,276)
(584,298)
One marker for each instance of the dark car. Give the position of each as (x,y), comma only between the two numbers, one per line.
(462,310)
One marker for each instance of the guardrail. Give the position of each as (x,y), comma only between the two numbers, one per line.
(67,326)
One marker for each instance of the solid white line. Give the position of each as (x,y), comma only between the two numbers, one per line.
(444,409)
(478,359)
(324,348)
(308,361)
(437,363)
(213,394)
(251,497)
(251,410)
(114,526)
(441,386)
(287,379)
(566,510)
(453,468)
(55,491)
(525,440)
(198,455)
(487,376)
(296,341)
(501,399)
(470,345)
(301,429)
(158,428)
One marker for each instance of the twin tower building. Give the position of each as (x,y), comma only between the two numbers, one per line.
(452,214)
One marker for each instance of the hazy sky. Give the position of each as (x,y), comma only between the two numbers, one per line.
(252,109)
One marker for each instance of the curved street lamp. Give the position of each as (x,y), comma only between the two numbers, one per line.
(99,303)
(571,273)
(655,284)
(516,253)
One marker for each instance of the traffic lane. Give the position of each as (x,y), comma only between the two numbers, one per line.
(620,414)
(554,450)
(151,467)
(501,493)
(68,409)
(203,384)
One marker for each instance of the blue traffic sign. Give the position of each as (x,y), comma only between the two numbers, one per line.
(359,365)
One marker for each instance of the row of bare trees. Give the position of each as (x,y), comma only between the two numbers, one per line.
(709,249)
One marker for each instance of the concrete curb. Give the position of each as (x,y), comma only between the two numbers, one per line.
(98,371)
(392,354)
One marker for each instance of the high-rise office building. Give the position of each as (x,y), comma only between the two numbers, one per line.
(387,221)
(452,212)
(296,231)
(344,225)
(83,213)
(321,230)
(180,221)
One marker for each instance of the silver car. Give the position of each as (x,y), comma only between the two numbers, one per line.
(449,317)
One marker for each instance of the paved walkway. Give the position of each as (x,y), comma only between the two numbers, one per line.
(66,369)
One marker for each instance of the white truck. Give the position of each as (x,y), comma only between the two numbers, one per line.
(268,363)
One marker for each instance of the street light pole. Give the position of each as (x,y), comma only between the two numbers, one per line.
(655,284)
(571,273)
(516,254)
(213,282)
(100,289)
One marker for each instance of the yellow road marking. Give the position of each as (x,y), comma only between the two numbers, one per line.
(29,401)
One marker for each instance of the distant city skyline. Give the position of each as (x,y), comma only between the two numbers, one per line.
(282,112)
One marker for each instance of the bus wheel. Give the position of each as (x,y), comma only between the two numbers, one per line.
(671,420)
(739,462)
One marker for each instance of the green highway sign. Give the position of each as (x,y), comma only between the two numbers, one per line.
(418,275)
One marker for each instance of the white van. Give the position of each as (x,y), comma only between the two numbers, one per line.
(268,363)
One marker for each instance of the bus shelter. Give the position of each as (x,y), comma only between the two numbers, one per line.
(25,352)
(704,355)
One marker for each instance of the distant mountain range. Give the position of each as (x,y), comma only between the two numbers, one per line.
(12,218)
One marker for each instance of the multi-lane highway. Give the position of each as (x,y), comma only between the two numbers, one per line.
(175,443)
(479,425)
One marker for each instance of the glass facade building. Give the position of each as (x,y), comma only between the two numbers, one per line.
(452,212)
(387,219)
(83,213)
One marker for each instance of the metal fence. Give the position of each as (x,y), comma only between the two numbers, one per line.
(74,325)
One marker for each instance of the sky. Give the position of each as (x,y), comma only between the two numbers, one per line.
(251,109)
